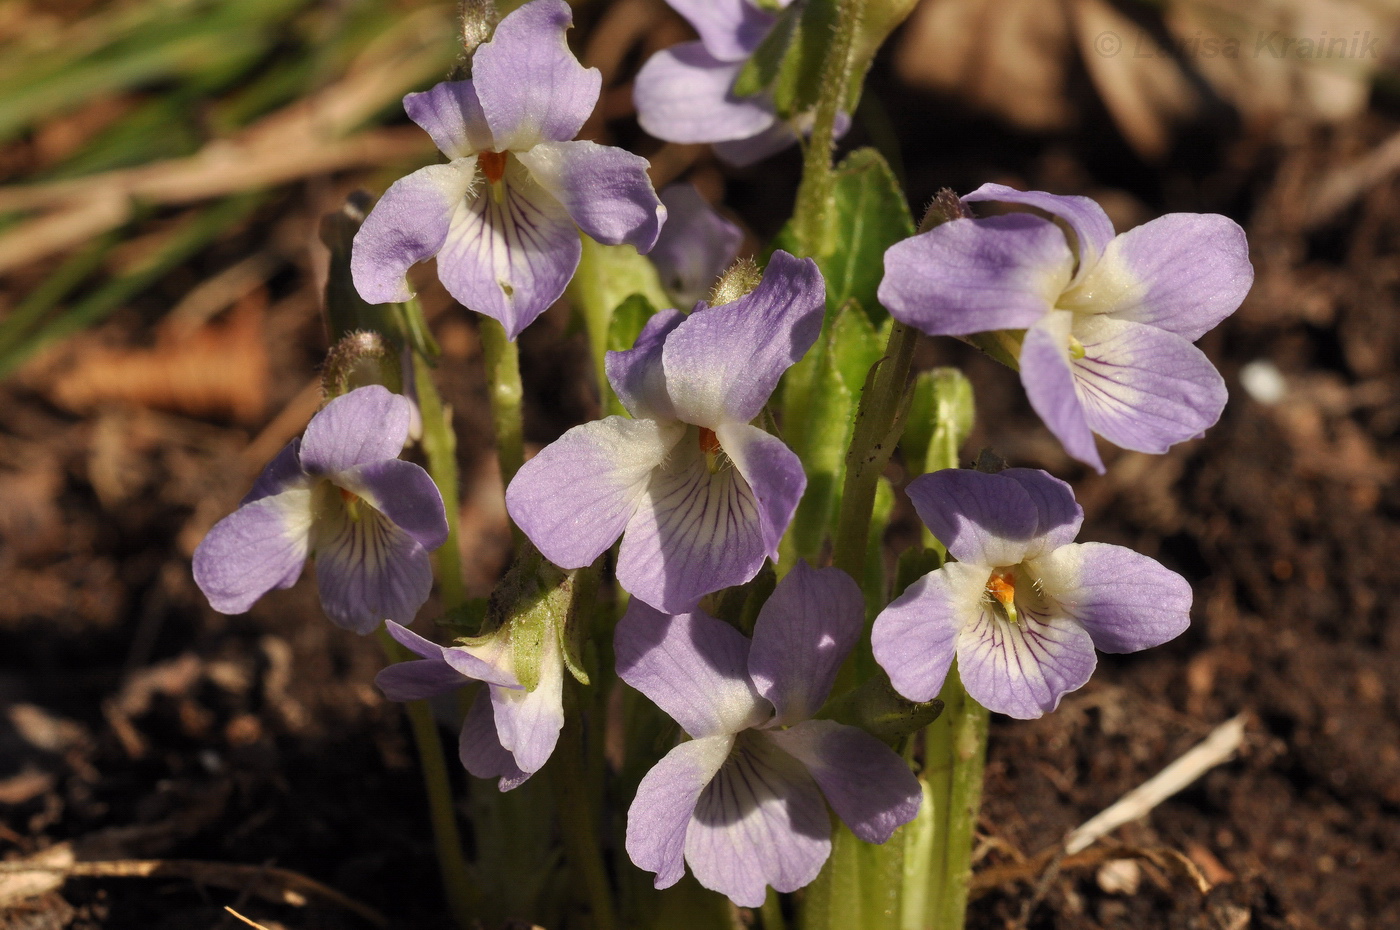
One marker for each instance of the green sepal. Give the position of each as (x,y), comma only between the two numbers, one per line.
(881,711)
(582,594)
(941,414)
(629,318)
(528,633)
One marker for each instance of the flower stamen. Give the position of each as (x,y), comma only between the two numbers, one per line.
(1001,591)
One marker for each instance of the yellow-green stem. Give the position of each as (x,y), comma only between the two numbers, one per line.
(440,446)
(507,398)
(814,210)
(463,897)
(569,773)
(955,751)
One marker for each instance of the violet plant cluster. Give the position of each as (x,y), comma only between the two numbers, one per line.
(707,700)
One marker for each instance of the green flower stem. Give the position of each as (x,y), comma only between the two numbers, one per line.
(815,208)
(876,431)
(955,751)
(440,446)
(772,912)
(463,897)
(569,774)
(507,397)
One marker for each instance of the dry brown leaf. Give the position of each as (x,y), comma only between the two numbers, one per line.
(218,370)
(1010,57)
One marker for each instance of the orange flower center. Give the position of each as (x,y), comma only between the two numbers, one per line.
(1001,588)
(492,164)
(709,442)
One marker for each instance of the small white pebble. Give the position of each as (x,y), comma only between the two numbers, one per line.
(1119,876)
(1262,381)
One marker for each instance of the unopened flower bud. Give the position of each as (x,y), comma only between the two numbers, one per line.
(741,278)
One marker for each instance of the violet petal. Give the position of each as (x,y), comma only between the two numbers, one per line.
(803,633)
(604,188)
(532,88)
(578,494)
(1125,600)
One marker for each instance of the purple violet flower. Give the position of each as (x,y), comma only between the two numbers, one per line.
(741,801)
(1024,606)
(685,93)
(699,496)
(695,246)
(503,215)
(1108,320)
(341,494)
(509,733)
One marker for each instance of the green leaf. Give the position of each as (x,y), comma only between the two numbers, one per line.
(607,275)
(871,215)
(819,405)
(766,62)
(859,886)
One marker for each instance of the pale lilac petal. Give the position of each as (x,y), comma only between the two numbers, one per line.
(692,666)
(408,225)
(531,86)
(1144,388)
(462,660)
(683,94)
(975,276)
(1060,516)
(1092,228)
(693,532)
(258,547)
(404,493)
(865,782)
(730,29)
(748,151)
(1124,599)
(480,750)
(370,424)
(982,519)
(1050,382)
(773,473)
(451,114)
(760,821)
(576,496)
(915,638)
(604,188)
(511,250)
(722,363)
(1022,669)
(1183,272)
(283,473)
(417,679)
(367,569)
(660,814)
(528,722)
(695,246)
(637,375)
(803,633)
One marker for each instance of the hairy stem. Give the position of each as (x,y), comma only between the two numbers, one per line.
(440,446)
(955,751)
(812,216)
(507,397)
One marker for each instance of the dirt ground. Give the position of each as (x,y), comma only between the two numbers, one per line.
(139,724)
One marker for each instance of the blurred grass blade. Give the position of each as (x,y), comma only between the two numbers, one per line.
(197,232)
